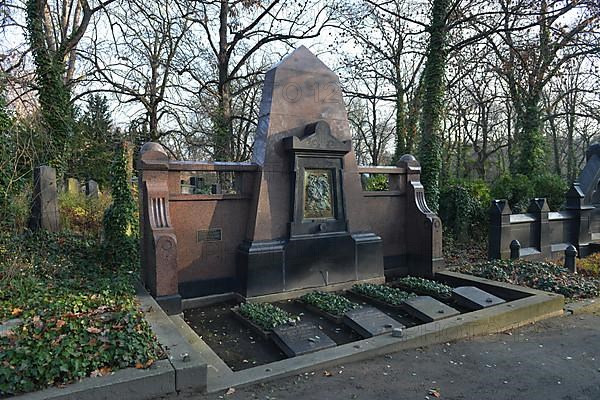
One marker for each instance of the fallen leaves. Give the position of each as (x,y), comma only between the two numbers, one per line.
(434,392)
(230,391)
(16,312)
(327,374)
(93,329)
(148,363)
(100,372)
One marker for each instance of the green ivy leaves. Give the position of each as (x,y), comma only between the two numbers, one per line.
(545,276)
(330,303)
(265,315)
(387,294)
(423,286)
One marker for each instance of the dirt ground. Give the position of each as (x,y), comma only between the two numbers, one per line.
(553,359)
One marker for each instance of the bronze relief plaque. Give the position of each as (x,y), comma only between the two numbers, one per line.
(318,194)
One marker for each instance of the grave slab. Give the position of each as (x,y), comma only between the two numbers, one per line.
(369,322)
(473,298)
(302,338)
(428,309)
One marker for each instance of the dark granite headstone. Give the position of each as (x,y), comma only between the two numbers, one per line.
(369,322)
(302,338)
(428,309)
(474,298)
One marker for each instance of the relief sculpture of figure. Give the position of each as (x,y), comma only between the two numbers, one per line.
(318,201)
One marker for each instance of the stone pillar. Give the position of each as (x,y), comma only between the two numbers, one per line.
(539,208)
(570,259)
(423,227)
(44,208)
(157,236)
(581,233)
(515,250)
(499,230)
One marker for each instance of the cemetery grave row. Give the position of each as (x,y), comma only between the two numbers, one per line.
(245,335)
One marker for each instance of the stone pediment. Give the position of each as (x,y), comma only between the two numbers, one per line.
(317,138)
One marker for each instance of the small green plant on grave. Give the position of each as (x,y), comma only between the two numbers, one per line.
(265,315)
(387,294)
(328,302)
(425,286)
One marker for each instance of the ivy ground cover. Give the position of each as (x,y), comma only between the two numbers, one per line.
(545,276)
(76,317)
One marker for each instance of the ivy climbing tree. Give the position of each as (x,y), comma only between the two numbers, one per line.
(54,31)
(430,153)
(121,219)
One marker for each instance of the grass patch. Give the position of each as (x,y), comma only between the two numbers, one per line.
(328,302)
(590,265)
(384,293)
(265,315)
(545,276)
(423,286)
(79,317)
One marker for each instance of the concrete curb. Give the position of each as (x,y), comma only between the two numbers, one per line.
(189,365)
(129,383)
(164,377)
(586,306)
(533,306)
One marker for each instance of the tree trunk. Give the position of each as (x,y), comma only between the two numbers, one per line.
(223,131)
(532,156)
(432,104)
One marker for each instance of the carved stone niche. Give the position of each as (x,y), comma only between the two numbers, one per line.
(317,162)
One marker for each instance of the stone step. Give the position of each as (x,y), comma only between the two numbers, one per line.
(370,321)
(428,309)
(473,298)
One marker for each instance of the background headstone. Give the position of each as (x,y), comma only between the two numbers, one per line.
(44,209)
(91,189)
(72,185)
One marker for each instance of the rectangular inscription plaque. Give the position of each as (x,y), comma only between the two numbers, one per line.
(210,235)
(318,194)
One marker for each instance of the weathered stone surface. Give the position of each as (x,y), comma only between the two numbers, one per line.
(44,208)
(473,298)
(428,309)
(302,338)
(369,322)
(303,135)
(91,189)
(7,328)
(72,185)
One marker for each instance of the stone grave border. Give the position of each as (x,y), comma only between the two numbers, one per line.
(194,367)
(524,306)
(183,371)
